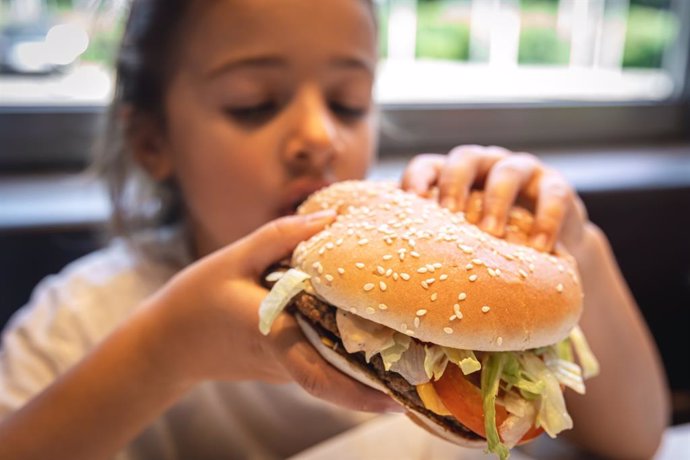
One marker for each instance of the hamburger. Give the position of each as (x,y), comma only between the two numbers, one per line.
(476,336)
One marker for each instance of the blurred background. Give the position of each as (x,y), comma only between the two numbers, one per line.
(598,88)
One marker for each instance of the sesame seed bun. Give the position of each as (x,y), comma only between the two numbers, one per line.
(403,261)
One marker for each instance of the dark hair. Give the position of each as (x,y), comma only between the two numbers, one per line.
(143,67)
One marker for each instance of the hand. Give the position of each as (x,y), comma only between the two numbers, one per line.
(208,321)
(507,178)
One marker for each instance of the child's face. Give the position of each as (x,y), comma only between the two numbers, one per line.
(271,100)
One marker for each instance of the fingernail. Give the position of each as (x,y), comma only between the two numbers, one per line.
(321,216)
(449,202)
(540,241)
(490,224)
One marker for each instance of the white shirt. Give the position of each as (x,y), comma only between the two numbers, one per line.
(71,312)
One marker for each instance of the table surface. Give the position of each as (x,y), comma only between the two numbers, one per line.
(394,436)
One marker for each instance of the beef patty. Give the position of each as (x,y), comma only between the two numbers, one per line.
(321,316)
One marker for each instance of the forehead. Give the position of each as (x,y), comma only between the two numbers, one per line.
(306,30)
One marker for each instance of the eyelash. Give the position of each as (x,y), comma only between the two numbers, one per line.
(257,114)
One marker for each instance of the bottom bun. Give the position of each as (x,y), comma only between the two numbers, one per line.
(366,377)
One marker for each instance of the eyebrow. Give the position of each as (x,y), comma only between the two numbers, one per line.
(344,62)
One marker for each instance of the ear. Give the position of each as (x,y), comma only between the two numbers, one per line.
(145,138)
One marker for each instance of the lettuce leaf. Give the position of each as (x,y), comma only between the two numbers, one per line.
(359,334)
(514,376)
(392,354)
(435,362)
(552,414)
(411,364)
(491,374)
(588,362)
(464,359)
(287,287)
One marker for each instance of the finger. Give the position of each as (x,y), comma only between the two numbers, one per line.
(318,377)
(553,203)
(277,239)
(422,173)
(504,182)
(457,176)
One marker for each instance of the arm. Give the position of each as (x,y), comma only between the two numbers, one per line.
(631,386)
(202,325)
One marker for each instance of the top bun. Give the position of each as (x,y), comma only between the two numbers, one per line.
(403,261)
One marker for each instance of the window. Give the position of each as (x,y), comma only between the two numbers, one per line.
(478,51)
(509,72)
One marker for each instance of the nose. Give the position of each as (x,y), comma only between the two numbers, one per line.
(313,137)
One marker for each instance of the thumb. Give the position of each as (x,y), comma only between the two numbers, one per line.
(278,238)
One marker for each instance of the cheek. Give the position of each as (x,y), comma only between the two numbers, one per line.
(227,181)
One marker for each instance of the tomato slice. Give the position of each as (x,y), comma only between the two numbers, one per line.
(464,400)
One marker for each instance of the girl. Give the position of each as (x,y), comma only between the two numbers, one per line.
(227,114)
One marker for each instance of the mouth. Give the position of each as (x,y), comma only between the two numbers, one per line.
(297,193)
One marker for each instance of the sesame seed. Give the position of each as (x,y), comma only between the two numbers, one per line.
(383,306)
(422,270)
(395,276)
(469,267)
(421,312)
(380,270)
(443,277)
(363,241)
(522,273)
(473,278)
(401,255)
(382,285)
(330,245)
(370,310)
(387,257)
(434,296)
(389,272)
(329,278)
(341,270)
(499,340)
(498,272)
(405,276)
(448,330)
(438,265)
(368,286)
(491,271)
(414,254)
(411,242)
(353,310)
(430,280)
(403,326)
(416,321)
(452,318)
(531,267)
(409,332)
(456,310)
(477,261)
(462,296)
(425,285)
(466,249)
(486,308)
(321,251)
(559,288)
(339,241)
(388,240)
(430,268)
(359,265)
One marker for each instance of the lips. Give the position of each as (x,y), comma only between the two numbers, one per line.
(297,192)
